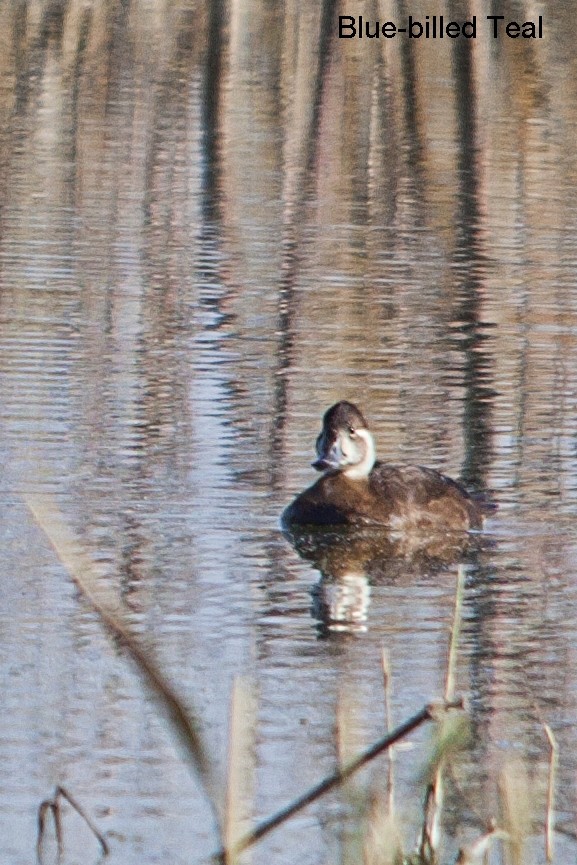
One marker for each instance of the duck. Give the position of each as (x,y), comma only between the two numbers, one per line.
(356,489)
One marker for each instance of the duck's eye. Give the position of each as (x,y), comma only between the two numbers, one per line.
(352,431)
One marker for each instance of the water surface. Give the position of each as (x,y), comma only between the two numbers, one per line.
(215,222)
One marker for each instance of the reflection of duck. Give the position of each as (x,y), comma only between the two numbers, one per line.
(378,555)
(353,559)
(357,490)
(342,606)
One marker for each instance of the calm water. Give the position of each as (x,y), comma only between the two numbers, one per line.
(194,264)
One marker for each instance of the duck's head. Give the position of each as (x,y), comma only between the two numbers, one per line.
(345,443)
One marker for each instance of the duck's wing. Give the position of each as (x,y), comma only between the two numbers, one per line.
(417,483)
(425,494)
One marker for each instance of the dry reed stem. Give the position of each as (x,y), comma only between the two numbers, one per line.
(84,574)
(240,764)
(54,807)
(386,667)
(480,847)
(432,711)
(455,634)
(349,740)
(514,792)
(348,744)
(431,832)
(553,759)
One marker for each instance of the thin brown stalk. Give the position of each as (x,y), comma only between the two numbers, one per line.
(347,728)
(54,807)
(48,807)
(429,712)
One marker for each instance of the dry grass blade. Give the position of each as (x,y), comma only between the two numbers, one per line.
(348,733)
(382,837)
(240,764)
(83,572)
(430,712)
(452,737)
(516,817)
(553,759)
(455,634)
(53,807)
(478,851)
(386,668)
(355,795)
(383,843)
(48,808)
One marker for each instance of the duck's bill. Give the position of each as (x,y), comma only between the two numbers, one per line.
(322,465)
(329,458)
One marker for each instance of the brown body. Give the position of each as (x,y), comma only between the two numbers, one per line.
(357,490)
(399,497)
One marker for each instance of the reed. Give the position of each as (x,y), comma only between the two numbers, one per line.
(181,716)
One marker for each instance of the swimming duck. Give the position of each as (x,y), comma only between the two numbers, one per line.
(356,489)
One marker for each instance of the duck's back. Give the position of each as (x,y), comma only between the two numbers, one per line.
(400,497)
(420,497)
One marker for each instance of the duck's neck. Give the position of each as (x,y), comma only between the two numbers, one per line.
(361,470)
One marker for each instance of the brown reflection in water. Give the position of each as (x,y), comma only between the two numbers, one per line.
(299,167)
(211,106)
(470,258)
(351,561)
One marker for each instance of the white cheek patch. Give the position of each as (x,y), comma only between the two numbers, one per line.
(367,437)
(343,445)
(362,469)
